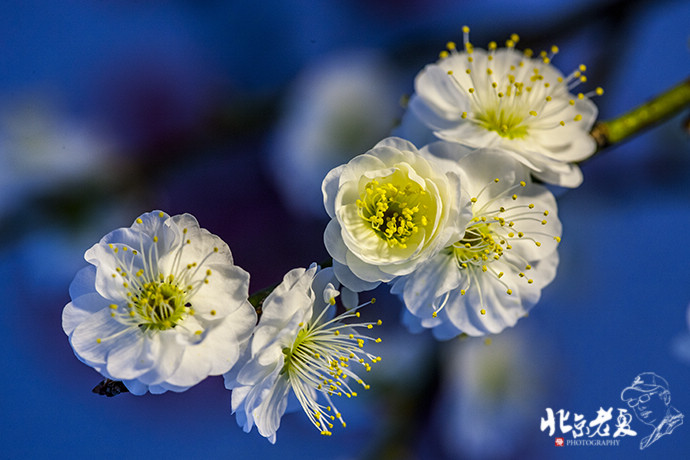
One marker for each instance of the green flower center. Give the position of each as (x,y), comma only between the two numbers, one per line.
(395,207)
(160,305)
(505,123)
(478,245)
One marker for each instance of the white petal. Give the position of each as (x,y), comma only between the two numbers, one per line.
(329,188)
(350,280)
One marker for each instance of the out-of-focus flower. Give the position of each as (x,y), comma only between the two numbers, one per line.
(510,100)
(161,306)
(681,345)
(489,393)
(299,349)
(491,276)
(42,149)
(391,209)
(339,106)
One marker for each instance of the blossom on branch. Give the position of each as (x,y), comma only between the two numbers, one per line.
(161,306)
(510,100)
(494,273)
(300,350)
(391,209)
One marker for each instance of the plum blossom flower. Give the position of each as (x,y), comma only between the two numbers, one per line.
(300,349)
(161,306)
(391,209)
(506,99)
(494,273)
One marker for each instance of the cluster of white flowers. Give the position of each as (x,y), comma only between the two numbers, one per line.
(162,306)
(458,228)
(455,225)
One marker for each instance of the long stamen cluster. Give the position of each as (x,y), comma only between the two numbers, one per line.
(489,237)
(513,95)
(320,359)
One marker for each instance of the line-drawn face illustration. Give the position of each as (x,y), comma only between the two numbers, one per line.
(650,407)
(649,398)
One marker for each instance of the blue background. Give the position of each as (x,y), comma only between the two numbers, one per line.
(190,97)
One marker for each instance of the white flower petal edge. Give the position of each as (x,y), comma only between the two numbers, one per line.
(492,276)
(506,99)
(391,209)
(161,307)
(299,350)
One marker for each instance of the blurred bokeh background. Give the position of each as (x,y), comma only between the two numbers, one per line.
(234,111)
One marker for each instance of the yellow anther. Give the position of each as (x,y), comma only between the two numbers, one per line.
(450,46)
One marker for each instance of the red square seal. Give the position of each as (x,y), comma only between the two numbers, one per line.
(560,442)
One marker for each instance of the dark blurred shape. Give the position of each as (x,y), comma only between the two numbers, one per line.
(110,388)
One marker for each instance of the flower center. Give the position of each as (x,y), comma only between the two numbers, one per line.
(478,244)
(395,207)
(503,122)
(159,305)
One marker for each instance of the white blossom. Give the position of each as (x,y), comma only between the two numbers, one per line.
(510,100)
(391,209)
(161,305)
(493,274)
(300,350)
